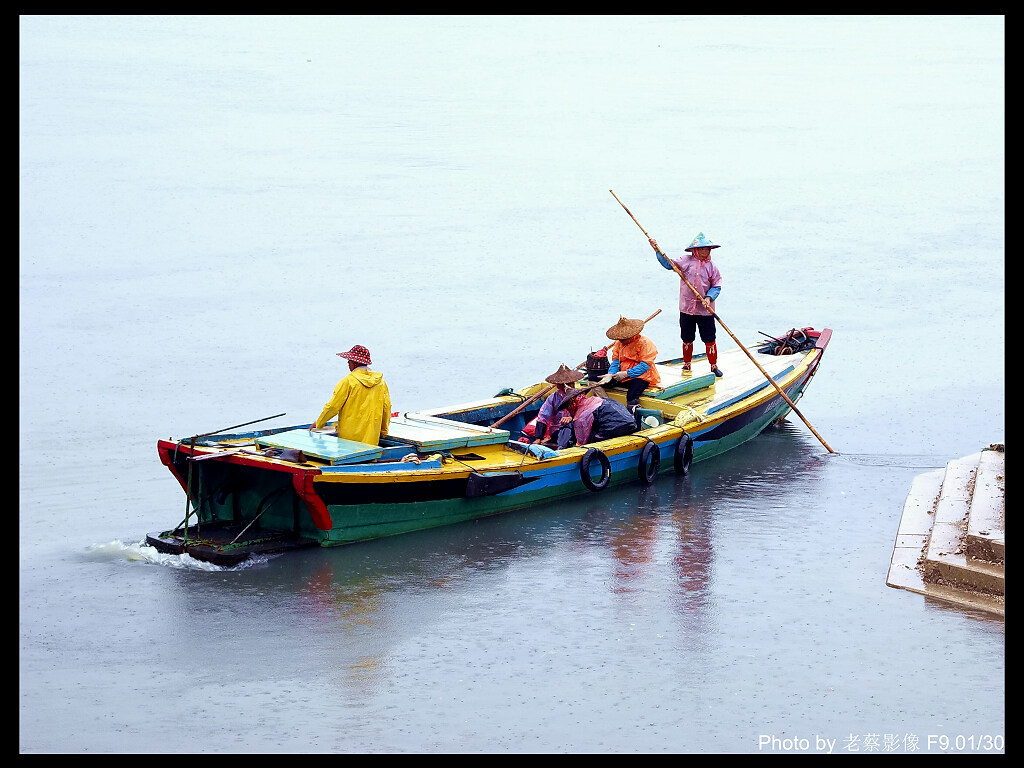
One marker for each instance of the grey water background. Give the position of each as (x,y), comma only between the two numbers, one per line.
(211,207)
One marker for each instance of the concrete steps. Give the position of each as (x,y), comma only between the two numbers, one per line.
(950,544)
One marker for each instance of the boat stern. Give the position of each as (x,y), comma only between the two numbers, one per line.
(240,503)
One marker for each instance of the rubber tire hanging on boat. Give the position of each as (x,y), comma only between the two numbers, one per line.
(684,454)
(606,469)
(650,459)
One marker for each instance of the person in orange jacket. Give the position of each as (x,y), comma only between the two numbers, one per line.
(631,357)
(361,401)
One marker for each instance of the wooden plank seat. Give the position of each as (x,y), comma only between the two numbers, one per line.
(432,433)
(674,383)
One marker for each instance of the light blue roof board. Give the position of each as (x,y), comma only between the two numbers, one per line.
(429,433)
(477,435)
(330,448)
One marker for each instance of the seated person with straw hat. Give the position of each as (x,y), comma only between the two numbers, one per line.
(632,357)
(590,417)
(547,422)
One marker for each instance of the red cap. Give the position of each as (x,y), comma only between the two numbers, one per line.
(358,354)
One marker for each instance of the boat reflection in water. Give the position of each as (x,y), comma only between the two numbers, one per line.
(659,539)
(570,580)
(673,527)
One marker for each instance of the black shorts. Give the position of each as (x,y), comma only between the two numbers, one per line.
(688,325)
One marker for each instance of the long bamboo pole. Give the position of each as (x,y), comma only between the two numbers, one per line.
(726,329)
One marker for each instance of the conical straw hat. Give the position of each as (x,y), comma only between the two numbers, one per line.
(700,241)
(564,375)
(626,328)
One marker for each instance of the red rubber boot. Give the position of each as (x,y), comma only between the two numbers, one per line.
(712,350)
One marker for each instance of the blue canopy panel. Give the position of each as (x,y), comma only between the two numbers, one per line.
(431,433)
(330,448)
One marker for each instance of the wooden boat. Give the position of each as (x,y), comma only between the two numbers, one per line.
(271,490)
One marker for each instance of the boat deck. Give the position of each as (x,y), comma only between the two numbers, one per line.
(709,393)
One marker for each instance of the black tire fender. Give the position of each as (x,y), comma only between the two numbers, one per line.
(650,460)
(684,454)
(606,469)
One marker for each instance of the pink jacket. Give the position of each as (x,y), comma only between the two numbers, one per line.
(702,276)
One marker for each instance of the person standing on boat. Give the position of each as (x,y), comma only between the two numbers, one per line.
(361,401)
(548,420)
(631,357)
(696,313)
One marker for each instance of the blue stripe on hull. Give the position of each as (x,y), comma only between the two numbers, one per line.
(745,426)
(357,522)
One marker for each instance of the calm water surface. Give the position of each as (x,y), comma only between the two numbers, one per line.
(211,207)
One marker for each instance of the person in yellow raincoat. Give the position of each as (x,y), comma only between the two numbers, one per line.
(632,357)
(361,401)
